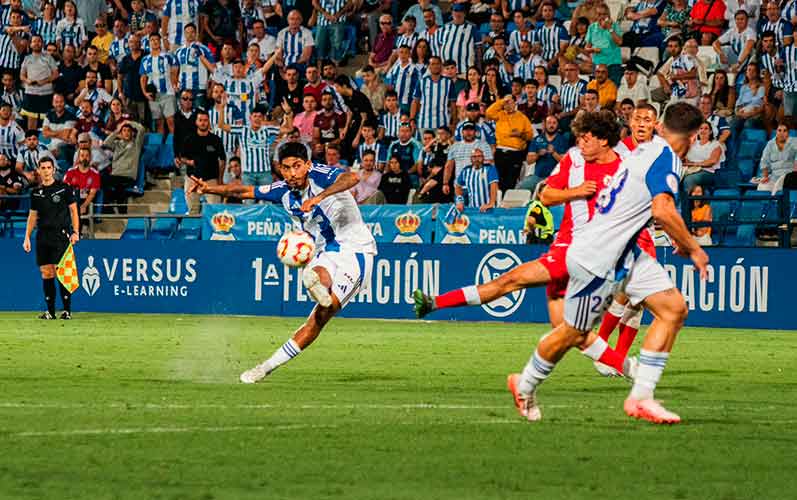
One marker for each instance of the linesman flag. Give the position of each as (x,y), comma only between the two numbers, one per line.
(66,270)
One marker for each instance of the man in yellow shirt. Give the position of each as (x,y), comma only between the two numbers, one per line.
(606,89)
(103,39)
(513,132)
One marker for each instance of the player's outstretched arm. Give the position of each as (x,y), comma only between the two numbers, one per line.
(226,190)
(666,214)
(344,182)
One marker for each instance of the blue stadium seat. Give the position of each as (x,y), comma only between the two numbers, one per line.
(177,205)
(558,213)
(151,150)
(166,157)
(754,135)
(747,169)
(189,229)
(750,150)
(163,229)
(727,176)
(744,237)
(135,229)
(137,189)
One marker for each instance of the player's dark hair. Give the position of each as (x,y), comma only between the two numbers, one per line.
(682,118)
(643,106)
(601,124)
(292,150)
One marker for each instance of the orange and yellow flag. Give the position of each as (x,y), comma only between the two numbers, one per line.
(66,270)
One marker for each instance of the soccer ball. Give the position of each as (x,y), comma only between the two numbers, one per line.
(296,248)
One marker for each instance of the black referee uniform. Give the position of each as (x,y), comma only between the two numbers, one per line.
(54,226)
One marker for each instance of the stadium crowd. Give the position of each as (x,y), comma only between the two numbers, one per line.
(458,101)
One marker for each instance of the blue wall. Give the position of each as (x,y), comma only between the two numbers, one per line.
(748,288)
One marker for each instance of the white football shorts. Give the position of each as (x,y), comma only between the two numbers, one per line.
(350,272)
(647,277)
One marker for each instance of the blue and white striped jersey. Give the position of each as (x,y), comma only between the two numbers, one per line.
(476,182)
(193,74)
(485,131)
(390,122)
(29,158)
(332,7)
(647,24)
(682,63)
(335,223)
(737,41)
(514,5)
(718,124)
(403,79)
(525,68)
(570,94)
(789,57)
(408,40)
(435,40)
(255,146)
(461,151)
(242,92)
(459,44)
(516,37)
(13,98)
(379,149)
(11,138)
(120,47)
(435,97)
(623,208)
(789,11)
(98,98)
(5,16)
(292,44)
(180,12)
(769,62)
(781,29)
(45,29)
(70,33)
(9,57)
(232,117)
(546,93)
(158,70)
(551,37)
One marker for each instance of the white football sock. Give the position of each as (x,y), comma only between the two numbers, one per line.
(651,366)
(287,352)
(471,294)
(536,370)
(616,309)
(596,350)
(632,317)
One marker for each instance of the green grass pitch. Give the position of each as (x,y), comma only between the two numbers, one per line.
(145,406)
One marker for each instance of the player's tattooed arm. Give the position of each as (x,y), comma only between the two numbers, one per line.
(344,182)
(666,215)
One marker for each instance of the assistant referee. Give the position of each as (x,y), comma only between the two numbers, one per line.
(53,208)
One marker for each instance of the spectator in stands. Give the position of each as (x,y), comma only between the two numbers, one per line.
(735,46)
(723,95)
(87,120)
(606,89)
(373,88)
(493,88)
(603,43)
(749,104)
(680,76)
(553,38)
(702,160)
(790,82)
(625,112)
(203,154)
(100,157)
(708,18)
(423,10)
(389,118)
(383,44)
(129,81)
(11,183)
(38,72)
(675,19)
(751,7)
(533,108)
(158,81)
(485,130)
(29,155)
(544,151)
(395,183)
(633,86)
(719,125)
(477,184)
(86,182)
(266,42)
(103,39)
(524,66)
(194,61)
(587,9)
(590,102)
(10,93)
(781,28)
(435,156)
(577,50)
(305,120)
(434,99)
(778,159)
(701,212)
(120,45)
(59,127)
(366,192)
(471,93)
(103,72)
(14,41)
(125,144)
(406,35)
(232,176)
(116,114)
(369,142)
(329,125)
(361,110)
(644,31)
(421,53)
(96,96)
(294,43)
(459,153)
(290,90)
(330,28)
(407,149)
(314,85)
(403,77)
(219,20)
(513,132)
(185,122)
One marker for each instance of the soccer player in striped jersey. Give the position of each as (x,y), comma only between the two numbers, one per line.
(525,31)
(476,186)
(403,77)
(781,28)
(434,99)
(46,25)
(735,46)
(644,187)
(195,61)
(389,118)
(70,30)
(458,42)
(255,142)
(175,16)
(159,70)
(553,38)
(319,198)
(11,134)
(295,42)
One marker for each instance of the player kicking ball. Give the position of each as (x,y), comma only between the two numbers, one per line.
(580,175)
(604,258)
(318,197)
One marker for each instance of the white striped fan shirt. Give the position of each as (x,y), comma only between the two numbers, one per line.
(434,97)
(403,79)
(781,29)
(232,117)
(120,48)
(435,40)
(193,74)
(9,57)
(292,44)
(516,37)
(550,37)
(570,94)
(459,45)
(45,29)
(408,40)
(476,184)
(11,136)
(390,122)
(158,71)
(70,33)
(180,12)
(255,148)
(332,7)
(789,57)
